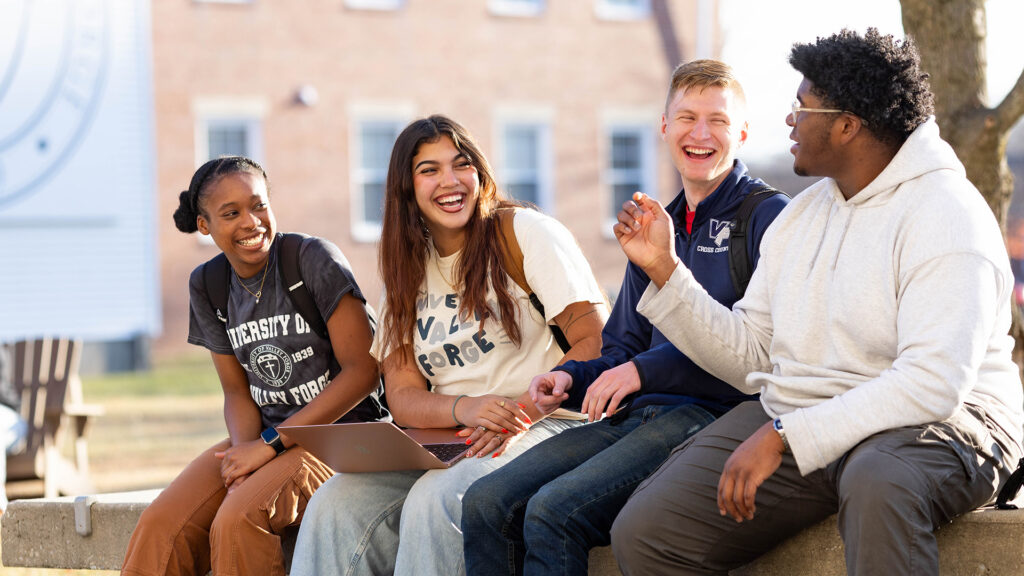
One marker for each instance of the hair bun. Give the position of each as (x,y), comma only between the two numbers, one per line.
(185,216)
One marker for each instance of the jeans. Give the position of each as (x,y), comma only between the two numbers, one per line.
(398,522)
(543,513)
(891,492)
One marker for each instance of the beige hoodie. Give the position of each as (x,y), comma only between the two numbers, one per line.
(885,310)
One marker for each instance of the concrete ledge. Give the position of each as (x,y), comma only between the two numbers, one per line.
(983,542)
(42,533)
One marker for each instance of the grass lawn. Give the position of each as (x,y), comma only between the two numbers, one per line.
(188,375)
(155,423)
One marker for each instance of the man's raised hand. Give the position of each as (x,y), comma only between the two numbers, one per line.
(646,234)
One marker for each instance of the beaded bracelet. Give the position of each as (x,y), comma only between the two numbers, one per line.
(454,417)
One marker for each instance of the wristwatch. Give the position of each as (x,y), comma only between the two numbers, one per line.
(273,439)
(777,425)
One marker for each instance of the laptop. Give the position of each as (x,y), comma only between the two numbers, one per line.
(378,446)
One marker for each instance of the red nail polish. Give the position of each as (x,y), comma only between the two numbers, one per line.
(521,405)
(503,431)
(528,421)
(468,441)
(494,455)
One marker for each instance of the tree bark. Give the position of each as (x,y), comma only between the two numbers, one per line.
(950,35)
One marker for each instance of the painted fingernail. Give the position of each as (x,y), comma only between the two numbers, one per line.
(468,441)
(494,456)
(504,431)
(528,421)
(521,405)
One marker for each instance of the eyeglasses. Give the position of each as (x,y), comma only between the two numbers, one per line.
(797,109)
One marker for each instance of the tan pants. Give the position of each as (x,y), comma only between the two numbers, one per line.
(194,526)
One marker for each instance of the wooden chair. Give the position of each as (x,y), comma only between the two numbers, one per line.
(46,376)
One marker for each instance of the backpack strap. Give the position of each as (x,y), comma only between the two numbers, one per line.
(216,277)
(741,263)
(291,279)
(512,257)
(298,293)
(1009,490)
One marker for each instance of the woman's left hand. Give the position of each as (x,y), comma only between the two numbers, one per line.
(242,459)
(236,483)
(484,441)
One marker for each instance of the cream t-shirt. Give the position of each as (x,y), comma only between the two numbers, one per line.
(456,357)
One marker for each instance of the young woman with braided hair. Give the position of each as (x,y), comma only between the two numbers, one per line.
(226,510)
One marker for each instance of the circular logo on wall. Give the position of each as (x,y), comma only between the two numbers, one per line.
(53,62)
(271,364)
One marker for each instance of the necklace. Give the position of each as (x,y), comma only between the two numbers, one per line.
(437,265)
(258,292)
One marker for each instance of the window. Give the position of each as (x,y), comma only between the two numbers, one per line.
(622,9)
(520,8)
(525,163)
(371,153)
(630,165)
(228,140)
(228,127)
(382,5)
(218,136)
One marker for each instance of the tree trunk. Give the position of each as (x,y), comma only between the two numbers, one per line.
(950,35)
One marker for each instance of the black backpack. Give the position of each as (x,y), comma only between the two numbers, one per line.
(741,264)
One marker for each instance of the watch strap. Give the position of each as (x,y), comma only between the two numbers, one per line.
(777,426)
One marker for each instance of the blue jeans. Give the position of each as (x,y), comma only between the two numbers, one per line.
(544,511)
(403,523)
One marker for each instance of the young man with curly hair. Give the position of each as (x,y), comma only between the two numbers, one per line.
(875,328)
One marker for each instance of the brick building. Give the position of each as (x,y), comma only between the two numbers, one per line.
(564,96)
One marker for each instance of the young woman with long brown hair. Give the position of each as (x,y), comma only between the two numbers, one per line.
(459,343)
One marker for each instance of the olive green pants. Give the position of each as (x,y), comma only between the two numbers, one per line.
(891,492)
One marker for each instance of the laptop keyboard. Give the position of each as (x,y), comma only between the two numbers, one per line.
(446,452)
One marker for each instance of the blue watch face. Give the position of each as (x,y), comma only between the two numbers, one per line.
(270,436)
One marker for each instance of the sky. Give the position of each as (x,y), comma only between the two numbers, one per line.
(757,37)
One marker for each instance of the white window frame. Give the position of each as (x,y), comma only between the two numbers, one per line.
(360,115)
(253,135)
(647,177)
(516,9)
(606,10)
(212,112)
(379,5)
(538,121)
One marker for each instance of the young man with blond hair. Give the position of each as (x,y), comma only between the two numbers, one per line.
(543,512)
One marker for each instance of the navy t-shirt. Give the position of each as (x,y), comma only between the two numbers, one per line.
(286,362)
